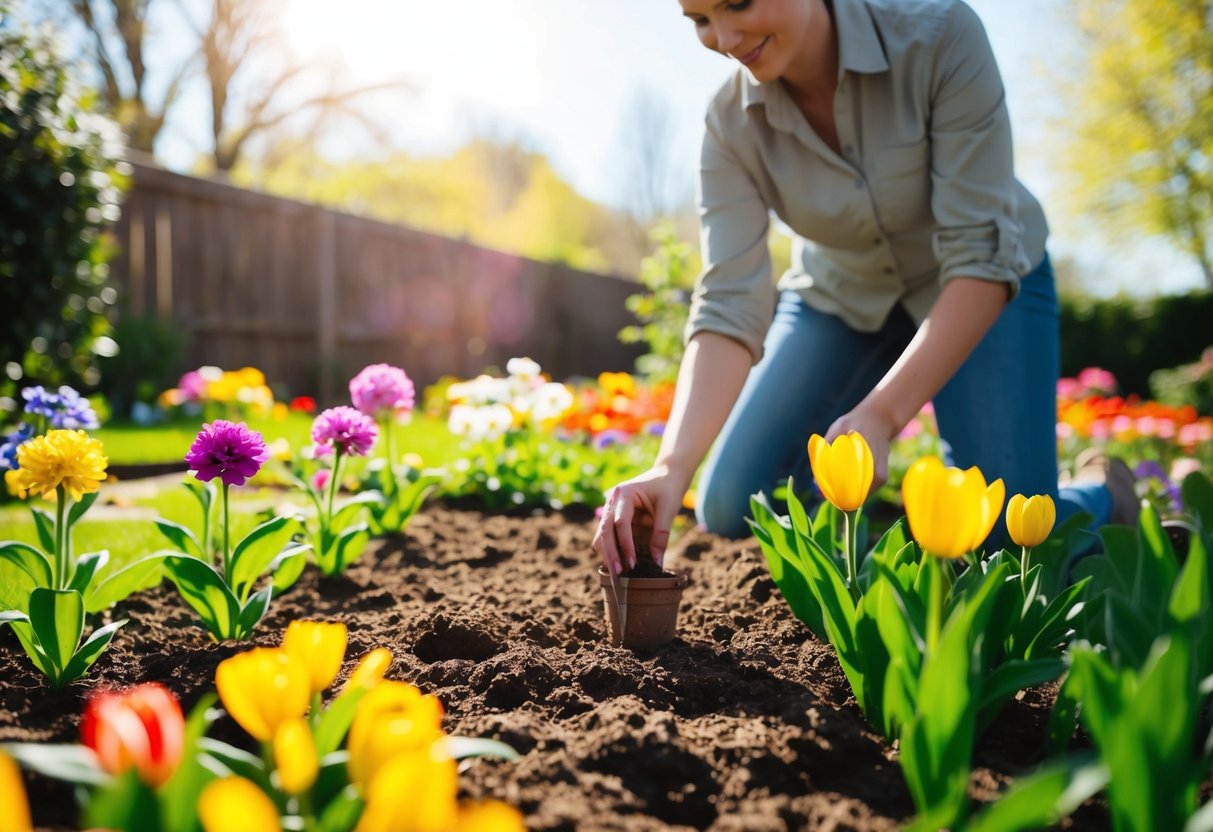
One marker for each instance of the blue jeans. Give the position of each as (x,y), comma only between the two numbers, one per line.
(998,412)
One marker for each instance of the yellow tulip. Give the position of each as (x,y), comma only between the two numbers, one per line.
(319,646)
(16,816)
(392,718)
(295,756)
(369,671)
(263,688)
(414,791)
(489,816)
(1030,519)
(843,469)
(234,804)
(950,511)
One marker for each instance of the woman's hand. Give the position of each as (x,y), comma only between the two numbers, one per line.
(877,428)
(638,515)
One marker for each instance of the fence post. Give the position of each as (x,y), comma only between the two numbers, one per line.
(326,302)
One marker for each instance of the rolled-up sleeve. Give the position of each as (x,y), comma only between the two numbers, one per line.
(735,293)
(974,196)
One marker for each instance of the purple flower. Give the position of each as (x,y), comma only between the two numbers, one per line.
(40,402)
(609,437)
(75,412)
(230,451)
(344,428)
(8,449)
(381,387)
(192,386)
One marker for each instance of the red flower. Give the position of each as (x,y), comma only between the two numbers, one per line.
(304,404)
(141,728)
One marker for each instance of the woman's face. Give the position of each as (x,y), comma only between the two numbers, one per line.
(767,36)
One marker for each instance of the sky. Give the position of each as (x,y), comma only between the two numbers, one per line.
(562,76)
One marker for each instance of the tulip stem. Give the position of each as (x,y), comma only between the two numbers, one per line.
(1023,568)
(61,576)
(314,713)
(934,603)
(850,525)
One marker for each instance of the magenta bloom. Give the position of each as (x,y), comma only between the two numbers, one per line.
(230,451)
(381,387)
(320,479)
(192,386)
(344,428)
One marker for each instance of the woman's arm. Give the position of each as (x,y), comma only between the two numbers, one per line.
(962,314)
(713,370)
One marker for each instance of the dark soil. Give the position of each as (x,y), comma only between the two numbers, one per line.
(743,722)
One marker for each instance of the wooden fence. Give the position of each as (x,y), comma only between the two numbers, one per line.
(310,295)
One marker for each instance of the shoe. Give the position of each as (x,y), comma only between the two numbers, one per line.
(1095,466)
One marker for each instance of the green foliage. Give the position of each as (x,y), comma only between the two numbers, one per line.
(50,634)
(1189,384)
(1133,338)
(59,189)
(148,361)
(405,489)
(662,309)
(1139,133)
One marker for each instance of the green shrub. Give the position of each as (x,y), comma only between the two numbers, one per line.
(59,189)
(148,361)
(1188,384)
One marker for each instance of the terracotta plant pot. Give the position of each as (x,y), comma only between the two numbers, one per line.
(646,615)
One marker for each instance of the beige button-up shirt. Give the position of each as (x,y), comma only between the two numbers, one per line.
(924,191)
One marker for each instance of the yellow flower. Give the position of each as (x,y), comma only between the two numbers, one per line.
(279,412)
(263,688)
(12,798)
(317,646)
(295,756)
(234,804)
(392,718)
(369,671)
(1030,519)
(489,816)
(62,457)
(413,460)
(950,511)
(843,469)
(414,791)
(617,384)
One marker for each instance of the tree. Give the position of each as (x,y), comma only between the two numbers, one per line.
(1138,143)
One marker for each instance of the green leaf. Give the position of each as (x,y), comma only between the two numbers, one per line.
(1057,620)
(1129,635)
(57,618)
(776,538)
(463,747)
(1044,797)
(29,560)
(1000,685)
(349,547)
(204,590)
(1197,494)
(254,611)
(86,568)
(257,550)
(288,566)
(29,642)
(46,529)
(78,509)
(342,812)
(181,537)
(335,722)
(142,574)
(70,763)
(125,803)
(349,510)
(91,650)
(179,796)
(236,761)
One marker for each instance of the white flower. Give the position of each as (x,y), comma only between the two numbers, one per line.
(551,401)
(523,368)
(497,420)
(461,420)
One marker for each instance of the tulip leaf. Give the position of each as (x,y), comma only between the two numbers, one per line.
(1057,619)
(204,590)
(91,650)
(1190,595)
(182,538)
(257,550)
(142,574)
(335,722)
(179,796)
(288,566)
(124,803)
(1042,798)
(72,763)
(775,537)
(86,568)
(29,642)
(81,506)
(1002,683)
(348,547)
(29,560)
(46,529)
(232,760)
(1157,553)
(342,812)
(463,747)
(343,516)
(1197,493)
(57,618)
(1129,635)
(254,611)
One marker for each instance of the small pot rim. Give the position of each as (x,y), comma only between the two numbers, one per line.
(676,580)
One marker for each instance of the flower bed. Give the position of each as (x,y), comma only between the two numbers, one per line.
(745,721)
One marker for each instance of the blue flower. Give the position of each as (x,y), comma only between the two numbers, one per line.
(75,413)
(38,402)
(8,449)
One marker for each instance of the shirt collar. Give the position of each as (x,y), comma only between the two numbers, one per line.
(859,50)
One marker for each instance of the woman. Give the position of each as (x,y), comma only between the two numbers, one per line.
(877,130)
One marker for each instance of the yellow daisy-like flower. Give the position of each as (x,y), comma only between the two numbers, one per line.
(70,458)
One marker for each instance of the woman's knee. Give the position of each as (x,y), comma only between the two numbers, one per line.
(721,508)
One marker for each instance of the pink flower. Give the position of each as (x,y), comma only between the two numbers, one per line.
(1069,388)
(320,479)
(230,451)
(344,428)
(1098,380)
(192,386)
(382,387)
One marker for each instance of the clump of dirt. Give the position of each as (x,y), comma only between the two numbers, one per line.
(745,721)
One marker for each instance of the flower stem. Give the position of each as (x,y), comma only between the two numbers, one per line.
(1023,567)
(61,576)
(389,472)
(327,537)
(227,525)
(850,525)
(934,603)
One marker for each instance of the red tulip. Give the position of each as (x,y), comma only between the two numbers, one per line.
(141,728)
